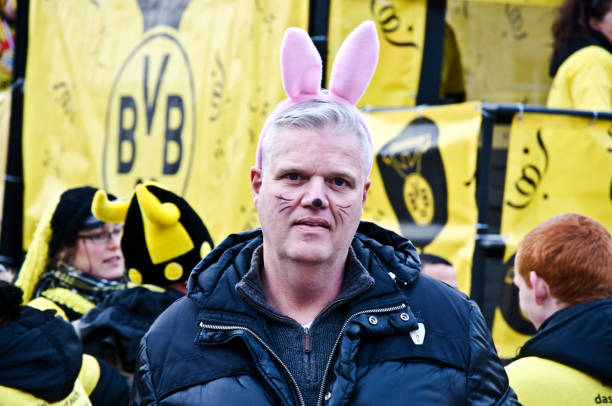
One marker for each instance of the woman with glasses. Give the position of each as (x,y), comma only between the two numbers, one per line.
(74,259)
(72,264)
(582,59)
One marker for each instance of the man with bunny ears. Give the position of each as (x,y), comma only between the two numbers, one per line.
(316,307)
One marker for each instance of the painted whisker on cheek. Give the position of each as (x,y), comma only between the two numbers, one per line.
(283,202)
(343,211)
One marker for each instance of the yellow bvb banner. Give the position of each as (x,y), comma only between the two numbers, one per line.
(120,91)
(423,183)
(556,164)
(401,31)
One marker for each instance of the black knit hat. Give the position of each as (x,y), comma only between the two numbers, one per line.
(73,213)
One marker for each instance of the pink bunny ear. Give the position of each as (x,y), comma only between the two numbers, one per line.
(355,63)
(301,64)
(301,69)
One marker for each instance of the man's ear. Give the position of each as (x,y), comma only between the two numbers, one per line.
(366,187)
(594,24)
(541,290)
(255,182)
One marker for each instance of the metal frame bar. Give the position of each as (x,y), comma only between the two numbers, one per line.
(11,234)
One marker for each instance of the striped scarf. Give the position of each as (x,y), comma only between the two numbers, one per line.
(90,287)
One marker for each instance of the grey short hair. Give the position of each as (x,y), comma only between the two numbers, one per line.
(319,114)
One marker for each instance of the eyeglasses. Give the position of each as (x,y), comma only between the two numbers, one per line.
(102,237)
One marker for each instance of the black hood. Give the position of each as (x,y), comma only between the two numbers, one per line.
(595,38)
(40,354)
(579,337)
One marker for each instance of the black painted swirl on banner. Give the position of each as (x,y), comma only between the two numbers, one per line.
(517,21)
(218,79)
(531,176)
(385,15)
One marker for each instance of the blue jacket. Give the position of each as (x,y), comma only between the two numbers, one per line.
(212,346)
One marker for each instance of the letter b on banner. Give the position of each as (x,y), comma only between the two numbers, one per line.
(126,135)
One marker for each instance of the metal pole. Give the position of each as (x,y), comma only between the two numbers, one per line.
(11,235)
(482,201)
(318,27)
(431,67)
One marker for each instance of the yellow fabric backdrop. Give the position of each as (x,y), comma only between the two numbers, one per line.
(505,48)
(412,164)
(116,93)
(556,164)
(401,31)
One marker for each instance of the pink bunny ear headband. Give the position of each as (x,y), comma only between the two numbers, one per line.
(301,70)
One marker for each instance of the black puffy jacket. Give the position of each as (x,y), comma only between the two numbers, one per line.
(211,348)
(40,354)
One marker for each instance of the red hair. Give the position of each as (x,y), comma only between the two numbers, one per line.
(573,254)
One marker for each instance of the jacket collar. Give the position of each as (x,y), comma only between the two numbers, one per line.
(578,336)
(356,280)
(212,284)
(559,56)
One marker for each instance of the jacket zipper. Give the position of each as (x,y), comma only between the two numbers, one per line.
(266,346)
(331,355)
(308,349)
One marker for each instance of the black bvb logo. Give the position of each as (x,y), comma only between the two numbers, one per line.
(150,127)
(415,181)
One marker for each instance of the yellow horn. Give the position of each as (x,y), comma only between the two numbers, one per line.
(162,214)
(107,211)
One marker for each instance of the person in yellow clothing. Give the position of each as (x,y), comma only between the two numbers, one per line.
(563,271)
(582,59)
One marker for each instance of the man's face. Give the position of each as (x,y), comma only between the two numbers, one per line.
(310,195)
(526,294)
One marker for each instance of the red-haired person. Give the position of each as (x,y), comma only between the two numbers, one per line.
(563,270)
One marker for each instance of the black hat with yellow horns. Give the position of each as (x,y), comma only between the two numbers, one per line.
(163,238)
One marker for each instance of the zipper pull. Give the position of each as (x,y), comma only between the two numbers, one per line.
(307,341)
